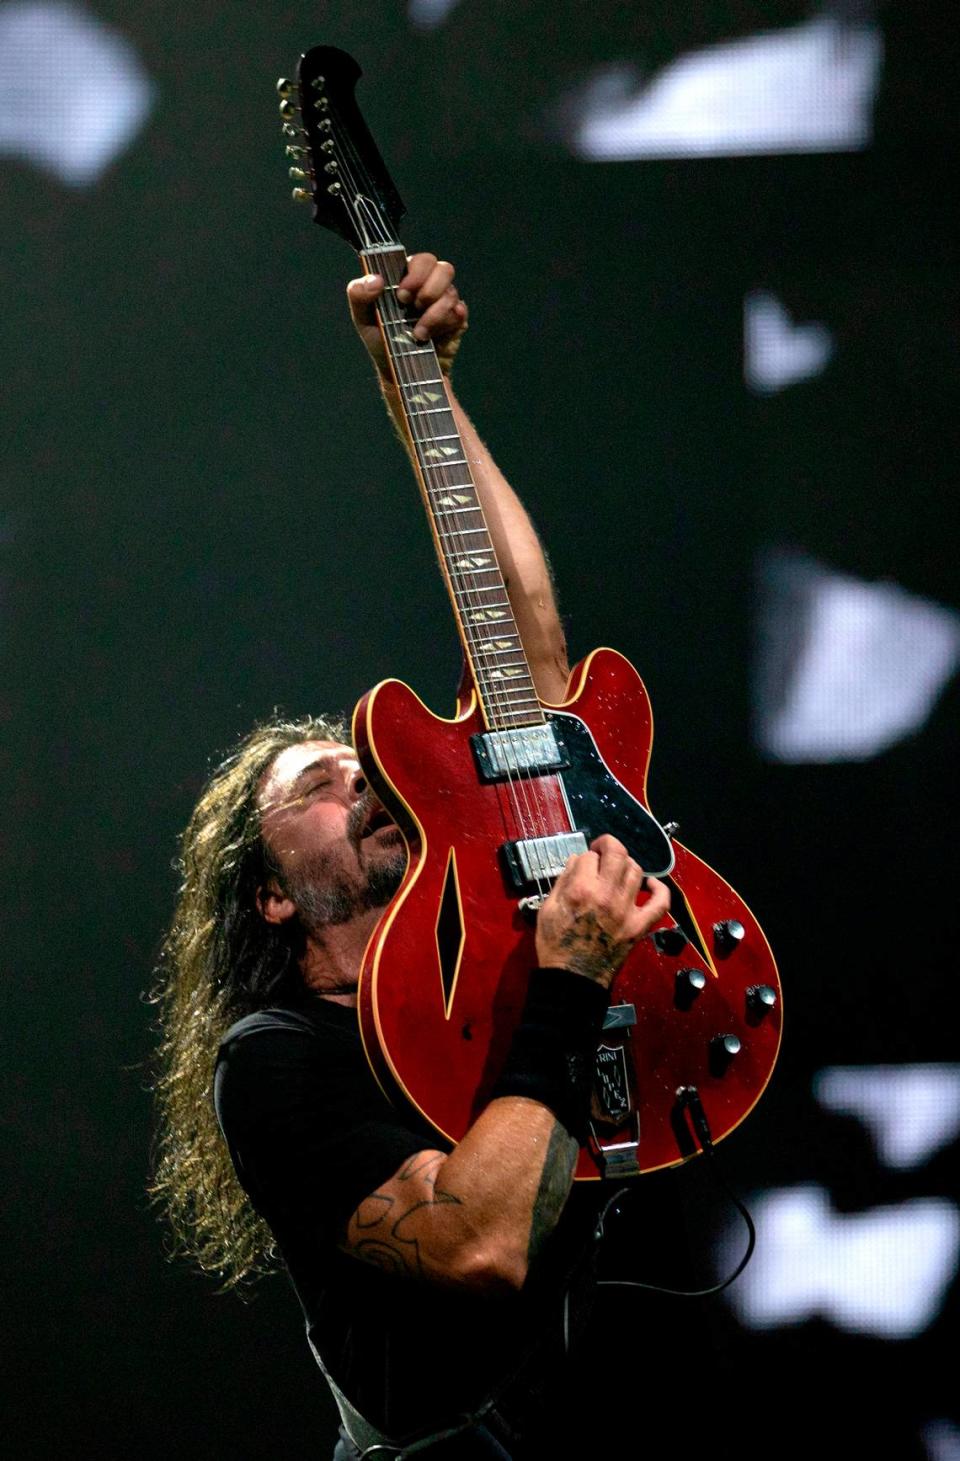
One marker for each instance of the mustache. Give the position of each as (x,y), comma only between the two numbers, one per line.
(360,812)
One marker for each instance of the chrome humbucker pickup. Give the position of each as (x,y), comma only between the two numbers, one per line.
(534,860)
(530,750)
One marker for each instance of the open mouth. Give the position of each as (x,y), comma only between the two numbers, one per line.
(378,820)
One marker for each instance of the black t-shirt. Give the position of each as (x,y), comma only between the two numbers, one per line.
(311,1134)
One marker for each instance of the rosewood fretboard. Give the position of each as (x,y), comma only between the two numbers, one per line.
(474,579)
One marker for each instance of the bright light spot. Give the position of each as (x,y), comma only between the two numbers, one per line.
(428,14)
(883,1272)
(776,352)
(844,668)
(942,1439)
(807,89)
(73,93)
(911,1111)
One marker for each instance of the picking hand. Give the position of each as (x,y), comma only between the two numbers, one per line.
(428,282)
(591,919)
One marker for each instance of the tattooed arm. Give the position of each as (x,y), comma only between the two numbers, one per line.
(475,1218)
(478,1217)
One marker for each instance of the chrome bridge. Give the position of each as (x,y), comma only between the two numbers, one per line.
(533,861)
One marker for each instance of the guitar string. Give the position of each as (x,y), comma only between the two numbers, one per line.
(467,594)
(407,377)
(470,600)
(477,642)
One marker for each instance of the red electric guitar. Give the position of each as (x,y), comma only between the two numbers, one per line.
(494,801)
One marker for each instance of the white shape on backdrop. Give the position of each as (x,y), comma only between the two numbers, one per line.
(942,1440)
(809,88)
(883,1272)
(843,668)
(428,14)
(73,92)
(776,352)
(911,1111)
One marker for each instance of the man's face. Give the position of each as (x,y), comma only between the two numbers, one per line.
(339,853)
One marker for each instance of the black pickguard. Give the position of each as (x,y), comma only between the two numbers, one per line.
(599,803)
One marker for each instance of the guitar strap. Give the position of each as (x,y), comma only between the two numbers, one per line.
(358,1429)
(372,1443)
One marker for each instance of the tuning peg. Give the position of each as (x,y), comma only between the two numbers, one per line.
(295,151)
(285,87)
(302,195)
(328,146)
(297,174)
(334,188)
(321,104)
(331,167)
(289,131)
(325,125)
(318,83)
(287,110)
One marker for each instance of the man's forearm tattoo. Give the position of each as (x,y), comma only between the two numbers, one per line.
(381,1225)
(555,1183)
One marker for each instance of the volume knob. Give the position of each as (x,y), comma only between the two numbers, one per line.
(722,1050)
(728,933)
(762,998)
(688,984)
(670,940)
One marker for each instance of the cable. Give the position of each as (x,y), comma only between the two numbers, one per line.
(689,1098)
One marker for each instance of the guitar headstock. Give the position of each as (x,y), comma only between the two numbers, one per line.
(335,162)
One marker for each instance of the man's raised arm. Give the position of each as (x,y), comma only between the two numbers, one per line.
(429,283)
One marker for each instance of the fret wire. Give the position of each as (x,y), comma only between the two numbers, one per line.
(434,380)
(435,466)
(429,410)
(454,511)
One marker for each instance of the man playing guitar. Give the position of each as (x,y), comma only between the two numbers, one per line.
(431,1278)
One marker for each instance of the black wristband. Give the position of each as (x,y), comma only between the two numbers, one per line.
(553,1052)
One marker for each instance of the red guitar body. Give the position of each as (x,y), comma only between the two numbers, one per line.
(444,976)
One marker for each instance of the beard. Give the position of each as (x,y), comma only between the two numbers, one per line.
(339,884)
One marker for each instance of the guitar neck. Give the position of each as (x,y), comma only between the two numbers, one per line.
(468,560)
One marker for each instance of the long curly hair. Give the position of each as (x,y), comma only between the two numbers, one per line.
(219,961)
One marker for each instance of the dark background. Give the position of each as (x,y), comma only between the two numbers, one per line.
(205,515)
